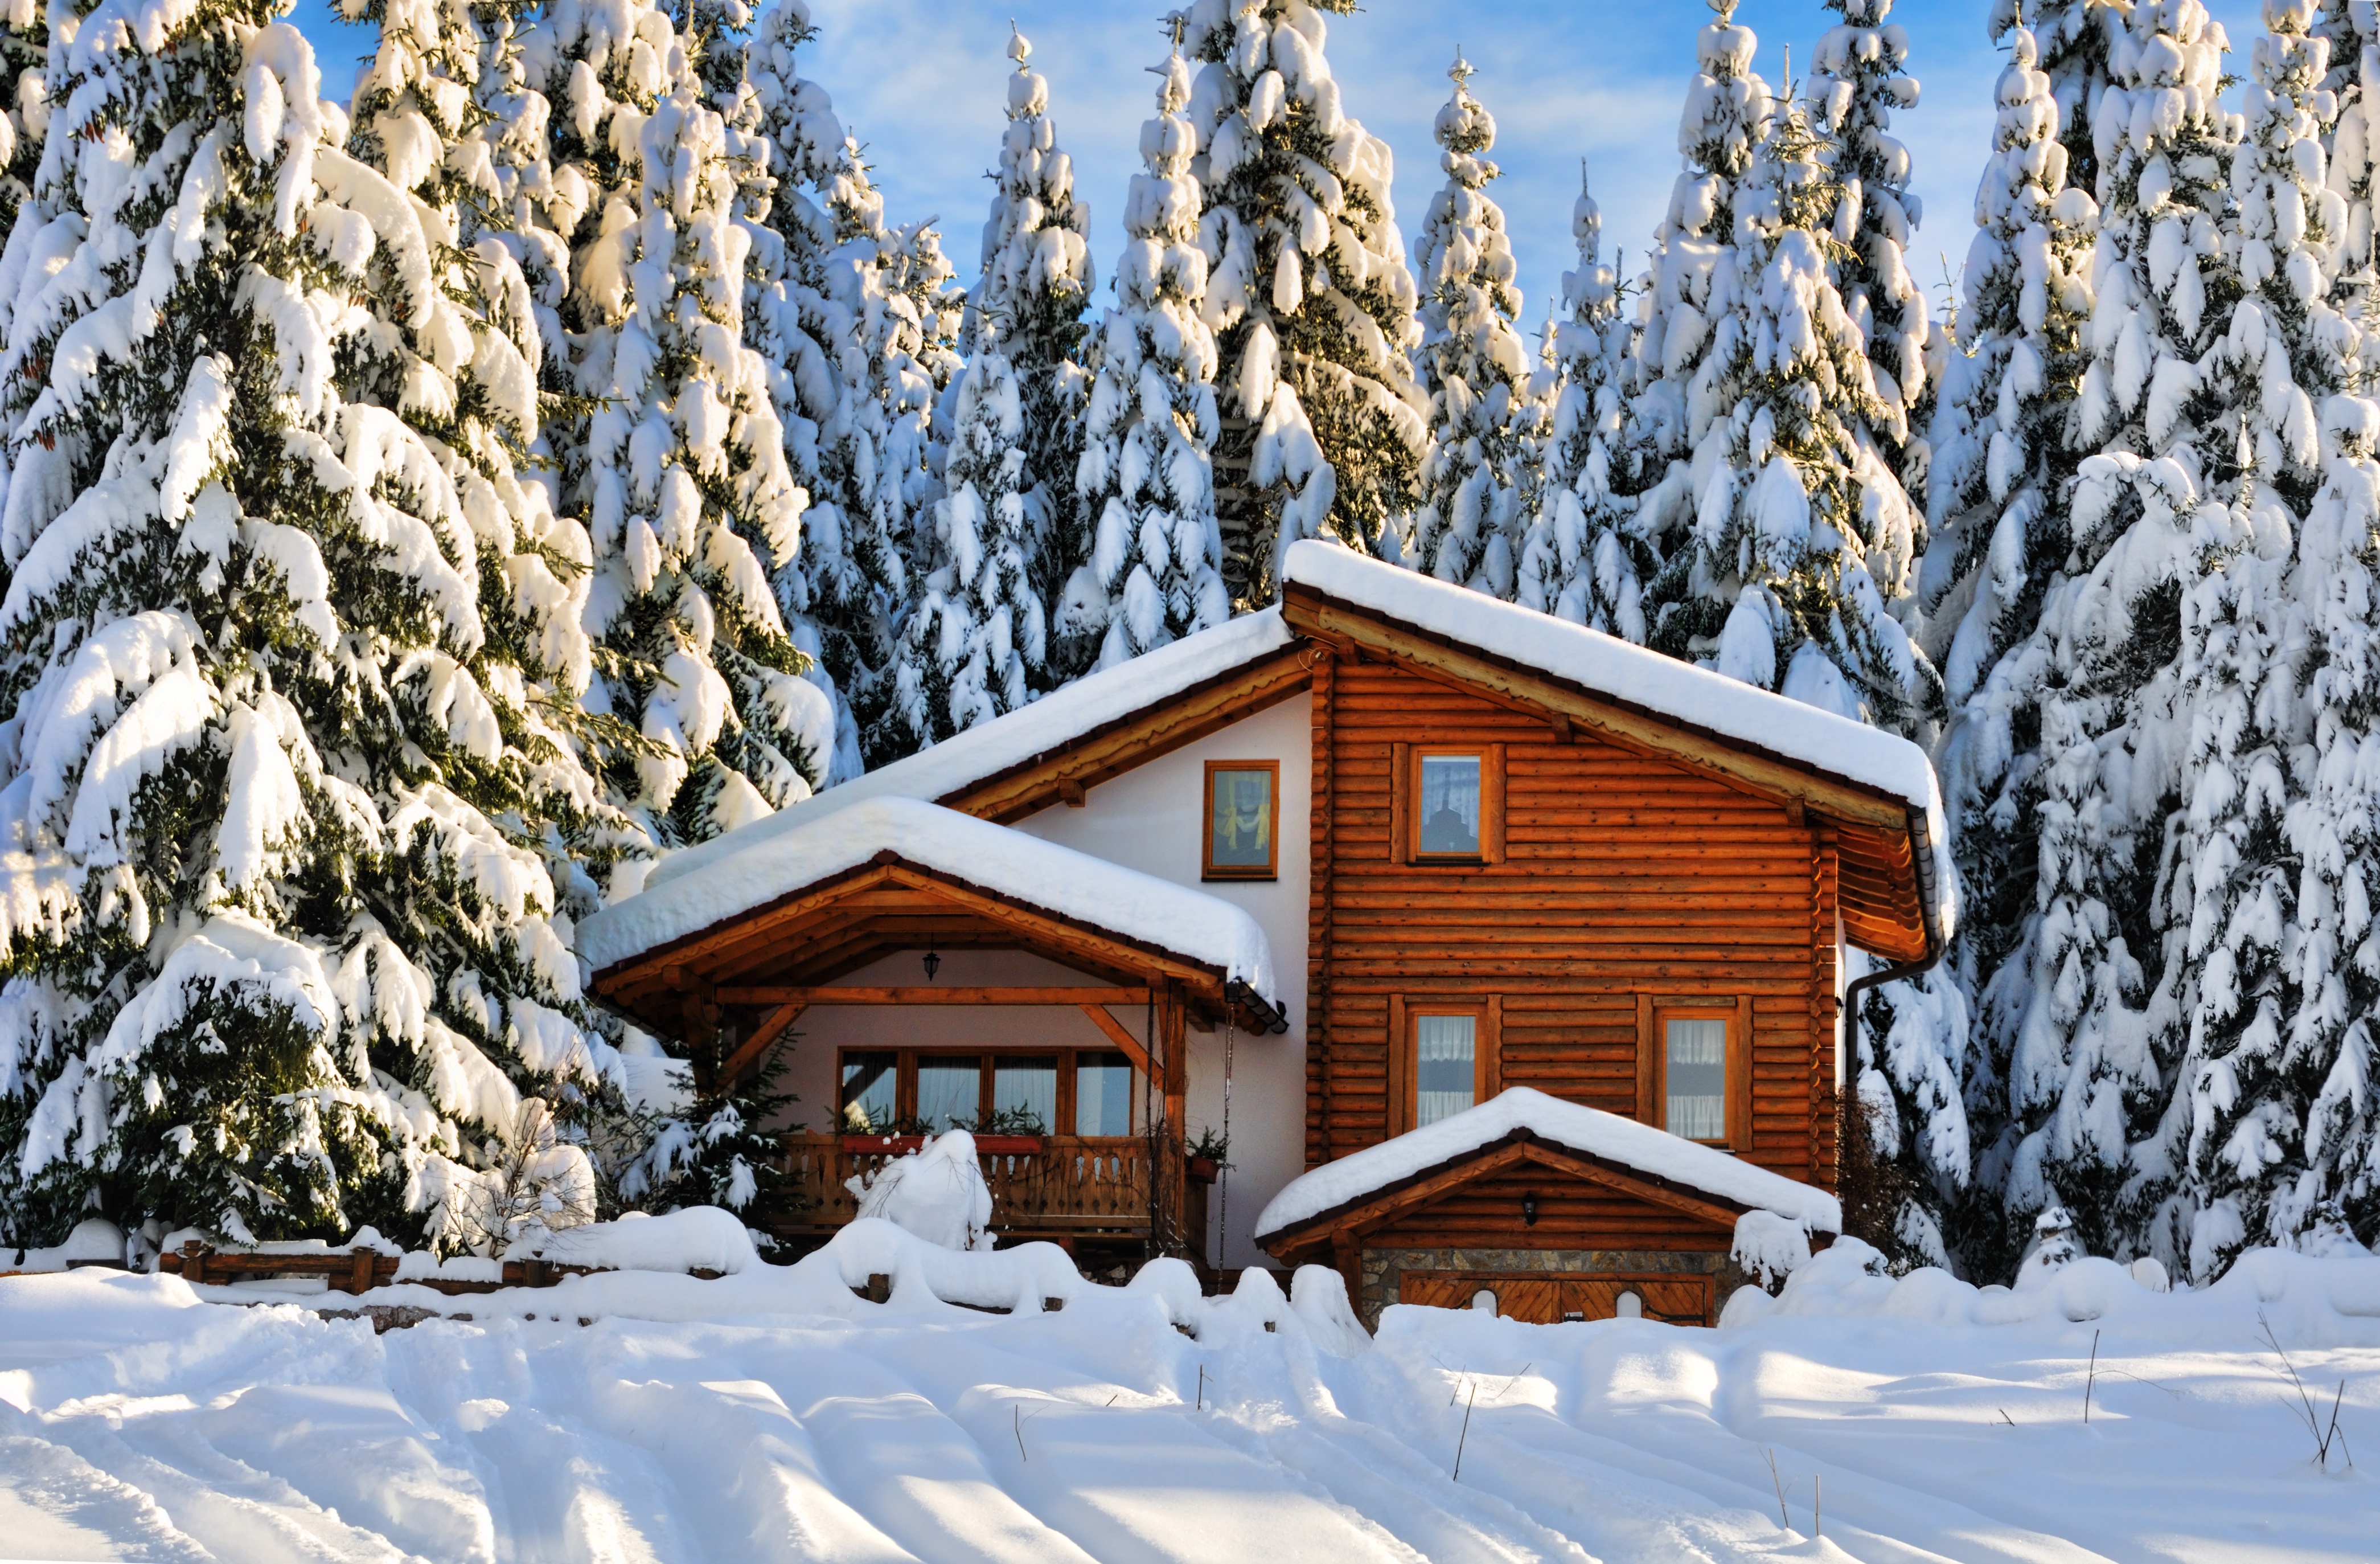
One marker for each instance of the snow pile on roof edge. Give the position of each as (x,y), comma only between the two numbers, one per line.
(1591,1131)
(1049,724)
(1057,879)
(1741,713)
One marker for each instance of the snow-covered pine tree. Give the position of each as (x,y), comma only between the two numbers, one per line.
(672,447)
(1146,473)
(878,461)
(2076,43)
(2352,30)
(2000,464)
(280,944)
(1474,368)
(2083,1083)
(1584,558)
(1036,281)
(1307,290)
(2230,1166)
(1859,77)
(977,644)
(24,51)
(1692,319)
(804,337)
(2334,829)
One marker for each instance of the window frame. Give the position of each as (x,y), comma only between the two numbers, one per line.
(1207,868)
(905,1080)
(1654,1012)
(1486,1013)
(1404,804)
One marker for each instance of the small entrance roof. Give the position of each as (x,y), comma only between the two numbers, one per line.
(807,905)
(1372,1185)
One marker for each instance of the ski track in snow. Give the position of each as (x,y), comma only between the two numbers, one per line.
(137,1425)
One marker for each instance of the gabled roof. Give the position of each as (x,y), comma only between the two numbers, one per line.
(1378,1182)
(840,887)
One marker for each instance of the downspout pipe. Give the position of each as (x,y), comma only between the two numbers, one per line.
(1929,899)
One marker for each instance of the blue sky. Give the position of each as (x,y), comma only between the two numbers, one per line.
(919,82)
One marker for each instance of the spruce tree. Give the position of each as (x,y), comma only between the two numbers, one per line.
(1860,76)
(282,948)
(1474,368)
(2352,30)
(1307,290)
(2000,467)
(978,644)
(2076,43)
(1584,558)
(1146,473)
(672,447)
(2085,1084)
(1694,319)
(25,112)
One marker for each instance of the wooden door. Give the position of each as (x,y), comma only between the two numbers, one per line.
(1547,1297)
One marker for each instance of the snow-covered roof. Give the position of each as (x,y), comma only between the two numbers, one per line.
(1017,866)
(1589,1130)
(1743,714)
(1043,728)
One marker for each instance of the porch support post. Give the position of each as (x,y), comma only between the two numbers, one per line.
(1173,1048)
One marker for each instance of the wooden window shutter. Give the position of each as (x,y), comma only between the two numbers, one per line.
(1491,1049)
(1738,1076)
(1397,1113)
(1491,804)
(1400,803)
(1648,1079)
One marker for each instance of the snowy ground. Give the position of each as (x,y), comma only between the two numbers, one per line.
(772,1416)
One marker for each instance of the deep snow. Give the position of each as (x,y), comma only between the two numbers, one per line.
(773,1415)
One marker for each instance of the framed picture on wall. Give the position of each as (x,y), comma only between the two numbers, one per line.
(1243,821)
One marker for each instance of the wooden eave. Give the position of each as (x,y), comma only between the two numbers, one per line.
(1303,1240)
(815,934)
(1088,759)
(1882,905)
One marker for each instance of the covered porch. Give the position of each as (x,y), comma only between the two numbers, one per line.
(912,970)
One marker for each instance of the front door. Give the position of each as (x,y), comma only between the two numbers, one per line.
(1547,1297)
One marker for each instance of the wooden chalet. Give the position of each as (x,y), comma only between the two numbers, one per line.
(1324,877)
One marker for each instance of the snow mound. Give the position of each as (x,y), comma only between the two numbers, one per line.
(936,1191)
(1590,1130)
(1638,677)
(1022,868)
(699,1238)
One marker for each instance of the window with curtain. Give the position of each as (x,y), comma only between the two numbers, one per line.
(1024,1095)
(869,1082)
(1445,1053)
(1449,806)
(1106,1093)
(1696,1073)
(950,1091)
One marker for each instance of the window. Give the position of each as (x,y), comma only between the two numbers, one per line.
(1445,1057)
(927,1091)
(1447,805)
(1694,1067)
(1446,1061)
(1243,821)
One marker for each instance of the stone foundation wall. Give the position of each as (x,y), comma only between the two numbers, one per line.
(1384,1270)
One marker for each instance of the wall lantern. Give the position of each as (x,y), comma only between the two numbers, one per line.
(933,965)
(1529,1209)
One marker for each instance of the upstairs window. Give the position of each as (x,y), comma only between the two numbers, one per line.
(1446,1066)
(1693,1071)
(1243,821)
(1448,819)
(1448,806)
(1696,1077)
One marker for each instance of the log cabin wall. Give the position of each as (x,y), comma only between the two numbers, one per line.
(1625,880)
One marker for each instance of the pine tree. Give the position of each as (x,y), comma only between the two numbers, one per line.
(1037,283)
(1693,317)
(1146,473)
(1474,368)
(2085,1084)
(2076,43)
(2229,1166)
(803,336)
(673,448)
(1307,292)
(2001,462)
(1859,76)
(280,944)
(878,463)
(2352,30)
(1584,558)
(25,114)
(977,642)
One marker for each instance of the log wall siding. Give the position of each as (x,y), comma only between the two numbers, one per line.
(1622,875)
(1321,840)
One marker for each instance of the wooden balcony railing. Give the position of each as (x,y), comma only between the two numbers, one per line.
(1074,1186)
